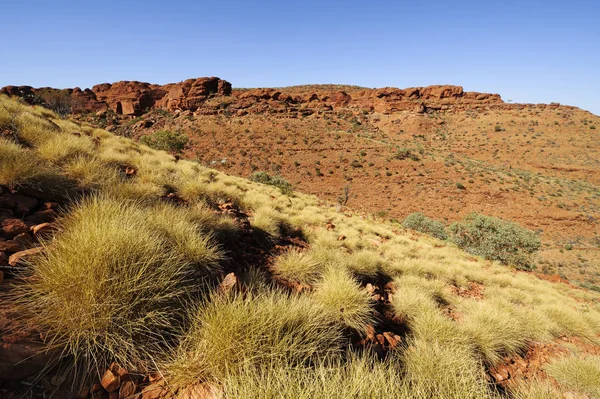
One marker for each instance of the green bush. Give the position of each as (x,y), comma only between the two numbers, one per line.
(419,222)
(496,239)
(277,181)
(165,140)
(404,153)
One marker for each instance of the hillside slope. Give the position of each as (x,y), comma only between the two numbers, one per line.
(389,152)
(157,275)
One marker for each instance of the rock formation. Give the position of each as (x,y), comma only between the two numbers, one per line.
(136,98)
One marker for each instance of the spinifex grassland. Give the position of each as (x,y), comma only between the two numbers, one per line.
(164,276)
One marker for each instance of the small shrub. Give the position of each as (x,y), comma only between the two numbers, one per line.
(276,181)
(460,186)
(498,128)
(496,239)
(406,153)
(356,164)
(568,247)
(165,140)
(419,222)
(59,101)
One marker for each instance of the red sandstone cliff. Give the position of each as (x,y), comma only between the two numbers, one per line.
(135,98)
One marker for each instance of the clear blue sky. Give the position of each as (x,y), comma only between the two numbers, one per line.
(527,51)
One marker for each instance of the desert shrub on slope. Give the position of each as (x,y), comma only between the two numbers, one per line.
(419,222)
(276,181)
(496,239)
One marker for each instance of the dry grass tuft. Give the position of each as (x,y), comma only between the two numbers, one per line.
(343,300)
(580,373)
(437,370)
(232,332)
(298,266)
(110,286)
(17,166)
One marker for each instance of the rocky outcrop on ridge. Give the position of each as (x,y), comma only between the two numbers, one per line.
(208,96)
(132,97)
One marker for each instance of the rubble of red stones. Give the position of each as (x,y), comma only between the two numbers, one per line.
(24,219)
(472,291)
(387,332)
(529,366)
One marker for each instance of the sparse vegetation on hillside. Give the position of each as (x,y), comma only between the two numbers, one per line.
(198,280)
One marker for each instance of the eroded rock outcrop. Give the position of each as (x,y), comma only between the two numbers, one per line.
(130,97)
(135,98)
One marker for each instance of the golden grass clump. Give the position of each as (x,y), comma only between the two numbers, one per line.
(35,129)
(343,300)
(9,110)
(269,220)
(234,331)
(110,284)
(493,330)
(17,165)
(62,147)
(136,190)
(438,370)
(411,301)
(297,266)
(570,321)
(357,377)
(536,389)
(579,373)
(365,263)
(91,173)
(184,237)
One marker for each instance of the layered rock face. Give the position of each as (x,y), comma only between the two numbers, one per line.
(213,95)
(386,100)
